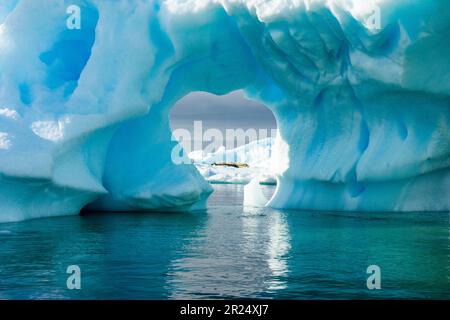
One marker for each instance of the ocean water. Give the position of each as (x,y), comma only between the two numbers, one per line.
(227,252)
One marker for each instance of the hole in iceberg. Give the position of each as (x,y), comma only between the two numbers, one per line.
(229,139)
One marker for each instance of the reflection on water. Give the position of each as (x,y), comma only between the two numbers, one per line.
(228,252)
(278,249)
(237,255)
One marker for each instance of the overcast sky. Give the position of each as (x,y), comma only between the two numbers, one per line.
(232,106)
(231,111)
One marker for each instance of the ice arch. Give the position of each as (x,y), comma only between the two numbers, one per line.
(363,114)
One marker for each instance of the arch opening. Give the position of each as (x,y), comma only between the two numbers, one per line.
(229,139)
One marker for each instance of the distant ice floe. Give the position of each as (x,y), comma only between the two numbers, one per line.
(255,158)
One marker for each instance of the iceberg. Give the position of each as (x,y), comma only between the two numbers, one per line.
(360,91)
(254,195)
(257,156)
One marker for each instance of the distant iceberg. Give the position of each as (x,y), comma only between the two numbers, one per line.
(257,156)
(360,91)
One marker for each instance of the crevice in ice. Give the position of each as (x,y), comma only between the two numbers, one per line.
(69,55)
(159,38)
(25,94)
(403,130)
(364,140)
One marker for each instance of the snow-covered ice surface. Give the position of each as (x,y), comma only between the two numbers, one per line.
(256,155)
(363,112)
(254,194)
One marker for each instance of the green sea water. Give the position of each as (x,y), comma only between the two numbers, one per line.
(228,251)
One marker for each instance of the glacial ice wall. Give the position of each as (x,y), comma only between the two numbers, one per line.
(363,109)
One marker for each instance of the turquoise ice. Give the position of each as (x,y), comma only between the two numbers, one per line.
(363,110)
